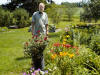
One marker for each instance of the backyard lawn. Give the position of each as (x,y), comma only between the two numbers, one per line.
(12,61)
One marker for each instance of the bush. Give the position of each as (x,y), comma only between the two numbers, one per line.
(6,18)
(21,17)
(95,44)
(85,62)
(3,29)
(2,13)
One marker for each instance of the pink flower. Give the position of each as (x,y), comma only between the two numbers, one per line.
(24,73)
(36,36)
(33,73)
(67,45)
(45,38)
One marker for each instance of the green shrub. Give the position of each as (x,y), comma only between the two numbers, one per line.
(7,21)
(21,17)
(3,29)
(6,18)
(95,44)
(2,13)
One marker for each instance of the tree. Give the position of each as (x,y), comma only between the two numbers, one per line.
(95,9)
(2,12)
(30,5)
(55,13)
(92,9)
(70,11)
(21,17)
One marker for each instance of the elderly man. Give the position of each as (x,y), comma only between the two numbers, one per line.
(39,23)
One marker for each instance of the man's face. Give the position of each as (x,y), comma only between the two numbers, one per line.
(41,8)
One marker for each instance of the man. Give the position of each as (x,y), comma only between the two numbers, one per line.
(39,23)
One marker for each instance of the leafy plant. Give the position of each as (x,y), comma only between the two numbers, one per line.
(36,45)
(95,44)
(62,52)
(21,17)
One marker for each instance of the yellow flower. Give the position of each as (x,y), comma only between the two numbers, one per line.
(61,53)
(53,56)
(64,43)
(71,55)
(67,36)
(64,40)
(65,53)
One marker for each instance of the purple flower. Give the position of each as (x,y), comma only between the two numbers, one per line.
(33,73)
(24,73)
(32,68)
(46,71)
(38,69)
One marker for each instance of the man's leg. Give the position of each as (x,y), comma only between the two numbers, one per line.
(38,62)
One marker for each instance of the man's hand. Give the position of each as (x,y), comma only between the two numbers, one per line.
(46,29)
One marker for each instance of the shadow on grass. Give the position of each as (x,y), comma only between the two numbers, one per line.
(22,58)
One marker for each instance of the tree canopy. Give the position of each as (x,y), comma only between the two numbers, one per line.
(30,5)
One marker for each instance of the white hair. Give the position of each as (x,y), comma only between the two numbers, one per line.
(42,4)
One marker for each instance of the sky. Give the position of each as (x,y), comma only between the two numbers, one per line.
(59,1)
(3,1)
(56,1)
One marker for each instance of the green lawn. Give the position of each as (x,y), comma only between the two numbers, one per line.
(12,61)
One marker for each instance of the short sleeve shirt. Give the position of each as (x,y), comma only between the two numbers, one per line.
(40,22)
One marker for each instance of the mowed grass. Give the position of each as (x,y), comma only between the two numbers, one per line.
(12,61)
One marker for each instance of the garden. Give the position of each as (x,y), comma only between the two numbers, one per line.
(71,48)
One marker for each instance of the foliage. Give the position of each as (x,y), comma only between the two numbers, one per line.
(80,63)
(70,11)
(67,37)
(3,29)
(29,5)
(59,53)
(36,45)
(92,10)
(8,19)
(21,17)
(52,28)
(56,15)
(2,13)
(95,44)
(86,63)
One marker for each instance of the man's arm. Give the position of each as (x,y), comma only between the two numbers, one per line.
(46,29)
(32,27)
